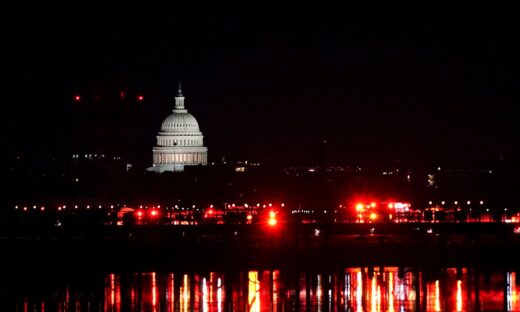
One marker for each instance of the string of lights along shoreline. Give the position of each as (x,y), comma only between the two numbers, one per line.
(179,142)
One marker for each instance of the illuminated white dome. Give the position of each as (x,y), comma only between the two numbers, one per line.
(180,142)
(181,123)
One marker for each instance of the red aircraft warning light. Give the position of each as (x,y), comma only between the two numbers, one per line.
(272,218)
(77,98)
(140,97)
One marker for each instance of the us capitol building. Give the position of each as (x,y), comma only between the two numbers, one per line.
(179,142)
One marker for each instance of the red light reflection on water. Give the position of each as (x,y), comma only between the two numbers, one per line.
(253,294)
(154,292)
(171,292)
(352,289)
(112,294)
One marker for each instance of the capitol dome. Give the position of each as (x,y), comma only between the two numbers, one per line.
(180,141)
(180,122)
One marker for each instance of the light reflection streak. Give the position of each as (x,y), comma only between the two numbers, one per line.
(318,287)
(275,277)
(509,292)
(390,291)
(204,295)
(112,291)
(253,297)
(359,291)
(132,298)
(437,295)
(347,289)
(459,295)
(384,291)
(219,294)
(154,292)
(172,292)
(318,291)
(185,295)
(379,297)
(210,285)
(514,295)
(373,294)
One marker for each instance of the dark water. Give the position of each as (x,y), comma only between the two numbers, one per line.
(351,289)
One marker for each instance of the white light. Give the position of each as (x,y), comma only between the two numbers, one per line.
(430,202)
(443,202)
(482,202)
(468,202)
(456,202)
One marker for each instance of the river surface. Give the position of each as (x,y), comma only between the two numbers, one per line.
(350,289)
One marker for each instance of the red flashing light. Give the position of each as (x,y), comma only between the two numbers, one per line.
(139,214)
(390,205)
(77,98)
(154,213)
(272,218)
(359,206)
(210,211)
(373,204)
(140,98)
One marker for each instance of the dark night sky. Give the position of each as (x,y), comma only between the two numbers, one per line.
(380,84)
